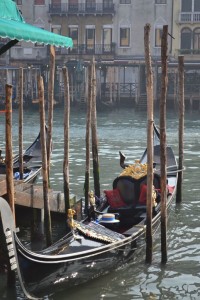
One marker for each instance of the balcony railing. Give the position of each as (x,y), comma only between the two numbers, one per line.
(189,17)
(82,8)
(97,49)
(122,89)
(189,51)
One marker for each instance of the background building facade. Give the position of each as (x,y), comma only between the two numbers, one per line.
(111,31)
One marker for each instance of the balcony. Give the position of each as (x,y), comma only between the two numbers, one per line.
(189,52)
(82,8)
(189,17)
(83,49)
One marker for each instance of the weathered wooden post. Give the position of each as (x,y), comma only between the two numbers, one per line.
(50,106)
(111,84)
(181,126)
(9,150)
(9,166)
(163,170)
(21,89)
(149,87)
(94,132)
(87,142)
(47,216)
(66,138)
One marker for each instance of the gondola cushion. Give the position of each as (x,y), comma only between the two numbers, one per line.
(114,198)
(143,194)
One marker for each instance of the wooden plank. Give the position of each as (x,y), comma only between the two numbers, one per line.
(34,198)
(25,187)
(30,195)
(3,187)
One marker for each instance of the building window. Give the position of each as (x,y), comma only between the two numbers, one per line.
(186,6)
(90,5)
(125,2)
(56,30)
(107,39)
(196,5)
(186,38)
(107,4)
(90,39)
(39,44)
(39,2)
(161,1)
(73,5)
(124,37)
(158,37)
(190,6)
(196,39)
(73,33)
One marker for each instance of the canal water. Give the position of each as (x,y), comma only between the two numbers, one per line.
(125,130)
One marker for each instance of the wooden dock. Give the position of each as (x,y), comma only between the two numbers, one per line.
(30,195)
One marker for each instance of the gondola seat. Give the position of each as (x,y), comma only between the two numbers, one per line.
(123,200)
(128,198)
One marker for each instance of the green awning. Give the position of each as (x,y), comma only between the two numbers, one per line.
(13,26)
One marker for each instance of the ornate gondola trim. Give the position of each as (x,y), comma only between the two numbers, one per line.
(93,232)
(136,171)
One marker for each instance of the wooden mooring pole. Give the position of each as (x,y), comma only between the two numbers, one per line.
(50,106)
(163,170)
(47,216)
(94,133)
(9,167)
(66,138)
(181,126)
(9,149)
(21,89)
(87,142)
(149,87)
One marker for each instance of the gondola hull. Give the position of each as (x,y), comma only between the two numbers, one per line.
(91,248)
(49,272)
(32,163)
(44,278)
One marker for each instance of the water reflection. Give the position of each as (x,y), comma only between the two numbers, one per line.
(125,130)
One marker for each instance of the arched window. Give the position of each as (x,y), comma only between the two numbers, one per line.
(196,42)
(186,38)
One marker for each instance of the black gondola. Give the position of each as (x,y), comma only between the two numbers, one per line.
(32,163)
(103,241)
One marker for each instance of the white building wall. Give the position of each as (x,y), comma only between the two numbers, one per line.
(137,15)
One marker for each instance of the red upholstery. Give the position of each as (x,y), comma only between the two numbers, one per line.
(114,198)
(170,189)
(143,194)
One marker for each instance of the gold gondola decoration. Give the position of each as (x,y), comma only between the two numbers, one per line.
(136,171)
